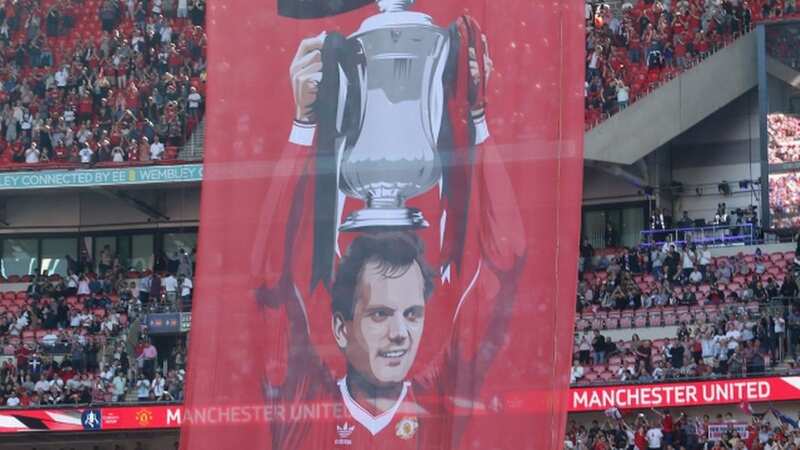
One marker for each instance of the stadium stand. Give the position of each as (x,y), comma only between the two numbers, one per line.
(634,47)
(687,429)
(707,316)
(90,84)
(98,82)
(77,340)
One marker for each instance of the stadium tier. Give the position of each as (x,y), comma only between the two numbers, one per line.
(99,83)
(635,46)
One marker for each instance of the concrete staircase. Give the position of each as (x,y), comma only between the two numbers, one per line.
(193,150)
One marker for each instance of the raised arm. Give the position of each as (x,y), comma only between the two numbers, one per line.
(492,221)
(281,252)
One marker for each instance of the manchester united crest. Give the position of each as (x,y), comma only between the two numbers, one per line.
(144,417)
(407,428)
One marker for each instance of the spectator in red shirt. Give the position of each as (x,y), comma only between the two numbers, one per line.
(600,442)
(666,425)
(640,439)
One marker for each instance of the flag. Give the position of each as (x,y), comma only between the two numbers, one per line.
(784,419)
(613,413)
(745,407)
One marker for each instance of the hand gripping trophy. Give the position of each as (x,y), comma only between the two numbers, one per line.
(382,117)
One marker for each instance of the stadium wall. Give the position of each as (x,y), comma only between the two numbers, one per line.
(101,210)
(725,146)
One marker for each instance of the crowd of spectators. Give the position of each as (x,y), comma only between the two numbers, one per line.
(784,138)
(633,47)
(736,344)
(781,43)
(82,339)
(668,275)
(659,429)
(88,81)
(784,198)
(736,315)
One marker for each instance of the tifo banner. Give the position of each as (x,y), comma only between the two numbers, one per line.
(663,395)
(405,260)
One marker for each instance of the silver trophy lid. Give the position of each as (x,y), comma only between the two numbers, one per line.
(394,13)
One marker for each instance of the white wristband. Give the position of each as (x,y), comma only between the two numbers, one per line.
(302,133)
(481,129)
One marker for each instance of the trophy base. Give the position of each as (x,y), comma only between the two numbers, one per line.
(383,219)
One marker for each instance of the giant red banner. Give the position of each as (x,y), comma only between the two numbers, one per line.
(389,223)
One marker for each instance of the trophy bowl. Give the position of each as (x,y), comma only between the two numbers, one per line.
(394,156)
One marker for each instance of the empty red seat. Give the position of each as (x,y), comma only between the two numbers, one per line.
(656,320)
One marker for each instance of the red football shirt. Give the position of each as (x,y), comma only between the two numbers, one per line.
(408,424)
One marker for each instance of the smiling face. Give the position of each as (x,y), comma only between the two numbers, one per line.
(382,339)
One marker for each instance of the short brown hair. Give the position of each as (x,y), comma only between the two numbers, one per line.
(394,252)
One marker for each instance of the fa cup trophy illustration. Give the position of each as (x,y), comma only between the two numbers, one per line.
(392,156)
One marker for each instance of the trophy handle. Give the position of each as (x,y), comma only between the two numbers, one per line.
(351,109)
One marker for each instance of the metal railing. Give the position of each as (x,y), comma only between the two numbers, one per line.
(721,234)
